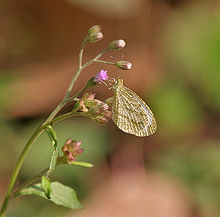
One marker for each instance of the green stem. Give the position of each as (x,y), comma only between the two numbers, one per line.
(29,182)
(40,129)
(16,170)
(80,69)
(105,62)
(65,116)
(76,95)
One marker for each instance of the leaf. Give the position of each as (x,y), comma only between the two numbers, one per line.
(45,185)
(60,194)
(52,135)
(53,161)
(83,164)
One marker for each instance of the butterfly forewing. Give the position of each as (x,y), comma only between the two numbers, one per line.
(130,113)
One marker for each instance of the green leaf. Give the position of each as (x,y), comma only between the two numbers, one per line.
(45,185)
(52,135)
(53,161)
(83,164)
(60,194)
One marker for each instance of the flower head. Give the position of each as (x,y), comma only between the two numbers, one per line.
(71,150)
(101,76)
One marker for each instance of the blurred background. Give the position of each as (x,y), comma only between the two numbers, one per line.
(174,46)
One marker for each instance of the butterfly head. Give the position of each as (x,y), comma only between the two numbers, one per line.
(111,83)
(118,83)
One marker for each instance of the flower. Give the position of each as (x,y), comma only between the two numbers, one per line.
(101,76)
(92,108)
(71,150)
(117,45)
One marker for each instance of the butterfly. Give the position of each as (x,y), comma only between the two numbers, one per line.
(130,113)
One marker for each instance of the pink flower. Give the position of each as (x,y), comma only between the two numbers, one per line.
(101,76)
(71,150)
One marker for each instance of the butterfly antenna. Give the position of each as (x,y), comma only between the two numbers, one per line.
(112,80)
(108,85)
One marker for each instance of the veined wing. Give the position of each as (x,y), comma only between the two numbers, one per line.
(131,114)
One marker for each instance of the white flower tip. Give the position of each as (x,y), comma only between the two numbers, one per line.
(121,43)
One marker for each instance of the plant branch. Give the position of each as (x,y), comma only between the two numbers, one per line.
(29,182)
(16,170)
(105,62)
(47,122)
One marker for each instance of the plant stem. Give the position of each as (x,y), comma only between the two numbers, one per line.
(105,62)
(29,182)
(76,95)
(16,170)
(65,116)
(40,129)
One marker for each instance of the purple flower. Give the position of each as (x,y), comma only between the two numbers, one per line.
(101,76)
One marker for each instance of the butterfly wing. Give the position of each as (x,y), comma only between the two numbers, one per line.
(131,114)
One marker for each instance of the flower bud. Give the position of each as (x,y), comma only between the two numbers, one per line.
(82,107)
(117,45)
(104,117)
(94,37)
(94,34)
(88,96)
(91,82)
(97,107)
(124,65)
(94,29)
